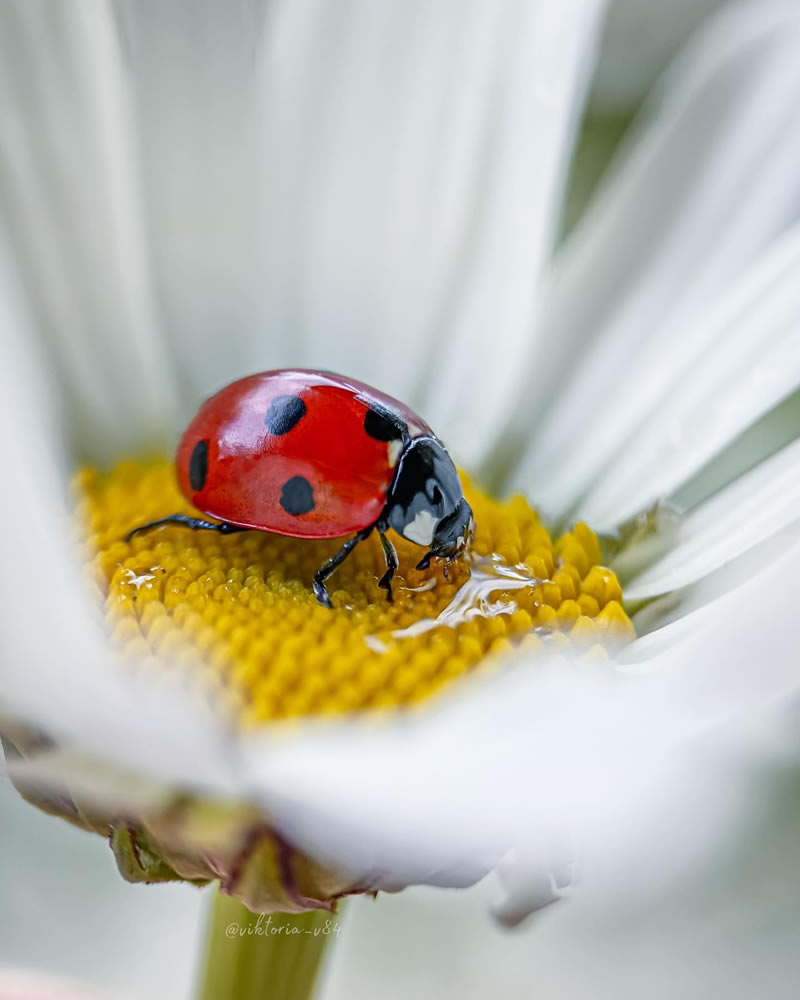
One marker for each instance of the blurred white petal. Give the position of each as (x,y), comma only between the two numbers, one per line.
(510,213)
(727,927)
(714,163)
(639,40)
(63,677)
(729,934)
(759,504)
(194,72)
(91,781)
(588,766)
(370,188)
(71,196)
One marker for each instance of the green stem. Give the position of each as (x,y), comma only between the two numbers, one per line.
(272,956)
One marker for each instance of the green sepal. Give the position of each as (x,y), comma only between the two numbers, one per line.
(138,862)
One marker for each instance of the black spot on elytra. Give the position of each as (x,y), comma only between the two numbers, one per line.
(198,466)
(284,413)
(297,496)
(384,425)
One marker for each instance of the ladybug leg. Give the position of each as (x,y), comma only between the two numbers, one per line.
(195,523)
(425,561)
(335,560)
(391,565)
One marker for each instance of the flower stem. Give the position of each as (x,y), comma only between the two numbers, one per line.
(250,956)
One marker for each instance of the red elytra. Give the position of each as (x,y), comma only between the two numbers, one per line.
(312,454)
(323,440)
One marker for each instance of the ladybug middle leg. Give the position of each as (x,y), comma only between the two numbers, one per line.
(339,557)
(335,560)
(195,523)
(390,554)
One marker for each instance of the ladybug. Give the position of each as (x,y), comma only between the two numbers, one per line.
(312,454)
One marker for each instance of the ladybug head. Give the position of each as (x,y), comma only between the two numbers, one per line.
(426,504)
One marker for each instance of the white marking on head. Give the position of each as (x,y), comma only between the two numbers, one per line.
(394,449)
(421,529)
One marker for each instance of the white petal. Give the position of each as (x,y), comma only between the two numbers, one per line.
(70,196)
(749,362)
(369,188)
(585,770)
(760,504)
(91,781)
(729,931)
(736,653)
(767,436)
(194,86)
(639,40)
(332,188)
(56,670)
(708,182)
(510,212)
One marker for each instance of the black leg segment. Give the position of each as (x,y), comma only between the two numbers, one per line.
(391,565)
(425,561)
(336,560)
(195,523)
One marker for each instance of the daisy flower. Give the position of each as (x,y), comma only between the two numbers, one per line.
(191,196)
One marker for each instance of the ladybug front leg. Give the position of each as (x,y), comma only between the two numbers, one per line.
(325,571)
(391,565)
(195,523)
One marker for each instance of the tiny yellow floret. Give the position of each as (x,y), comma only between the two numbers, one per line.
(240,607)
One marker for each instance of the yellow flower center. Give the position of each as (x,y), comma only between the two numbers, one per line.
(241,605)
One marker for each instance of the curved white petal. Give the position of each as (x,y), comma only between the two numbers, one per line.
(643,656)
(745,360)
(586,768)
(707,182)
(775,430)
(510,211)
(194,88)
(56,669)
(758,505)
(413,182)
(729,932)
(71,197)
(737,650)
